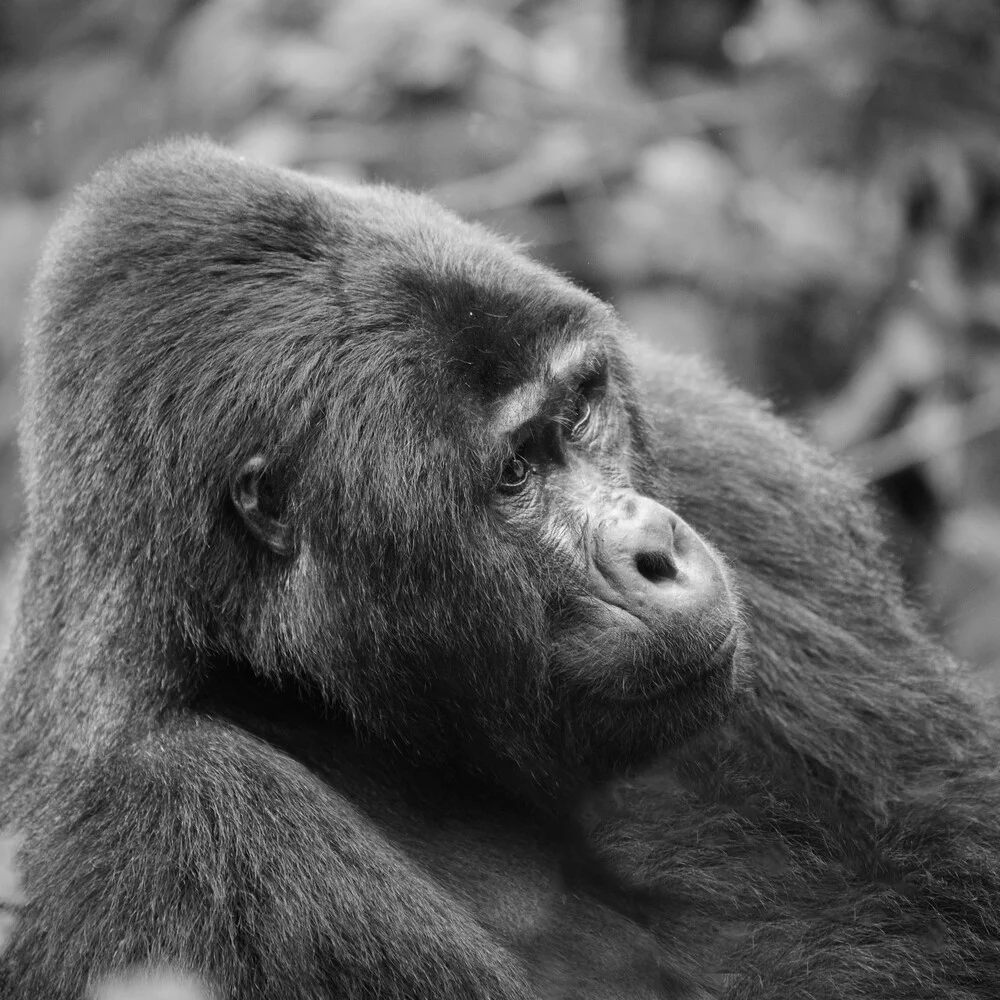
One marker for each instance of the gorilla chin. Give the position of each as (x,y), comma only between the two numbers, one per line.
(621,727)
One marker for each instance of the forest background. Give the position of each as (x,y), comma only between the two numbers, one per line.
(807,191)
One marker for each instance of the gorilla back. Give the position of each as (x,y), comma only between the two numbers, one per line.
(375,640)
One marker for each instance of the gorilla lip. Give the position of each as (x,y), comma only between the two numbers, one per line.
(687,675)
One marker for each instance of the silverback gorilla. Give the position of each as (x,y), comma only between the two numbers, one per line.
(377,638)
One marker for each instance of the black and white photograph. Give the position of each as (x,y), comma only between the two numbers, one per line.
(499,499)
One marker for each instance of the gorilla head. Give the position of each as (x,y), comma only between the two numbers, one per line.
(356,446)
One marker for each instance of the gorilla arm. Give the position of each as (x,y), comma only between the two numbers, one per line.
(213,850)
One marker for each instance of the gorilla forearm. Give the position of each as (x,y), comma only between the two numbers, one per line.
(303,897)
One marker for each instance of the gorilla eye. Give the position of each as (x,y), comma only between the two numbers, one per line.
(515,474)
(580,419)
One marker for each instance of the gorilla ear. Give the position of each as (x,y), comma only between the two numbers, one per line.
(256,504)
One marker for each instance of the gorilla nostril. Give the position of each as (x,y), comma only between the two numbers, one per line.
(656,566)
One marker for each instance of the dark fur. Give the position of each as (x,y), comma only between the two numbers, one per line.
(325,777)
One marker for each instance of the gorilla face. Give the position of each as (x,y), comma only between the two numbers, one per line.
(643,623)
(488,531)
(644,608)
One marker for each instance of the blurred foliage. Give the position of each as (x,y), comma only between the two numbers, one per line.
(809,190)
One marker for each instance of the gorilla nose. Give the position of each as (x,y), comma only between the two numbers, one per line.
(638,540)
(656,564)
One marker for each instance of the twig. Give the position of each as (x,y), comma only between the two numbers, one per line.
(912,445)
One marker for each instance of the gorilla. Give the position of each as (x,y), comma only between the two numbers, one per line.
(390,626)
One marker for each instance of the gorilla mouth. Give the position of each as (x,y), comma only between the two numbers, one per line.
(688,677)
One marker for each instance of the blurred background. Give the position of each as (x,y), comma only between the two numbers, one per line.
(806,190)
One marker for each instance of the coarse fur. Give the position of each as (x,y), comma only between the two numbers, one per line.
(352,770)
